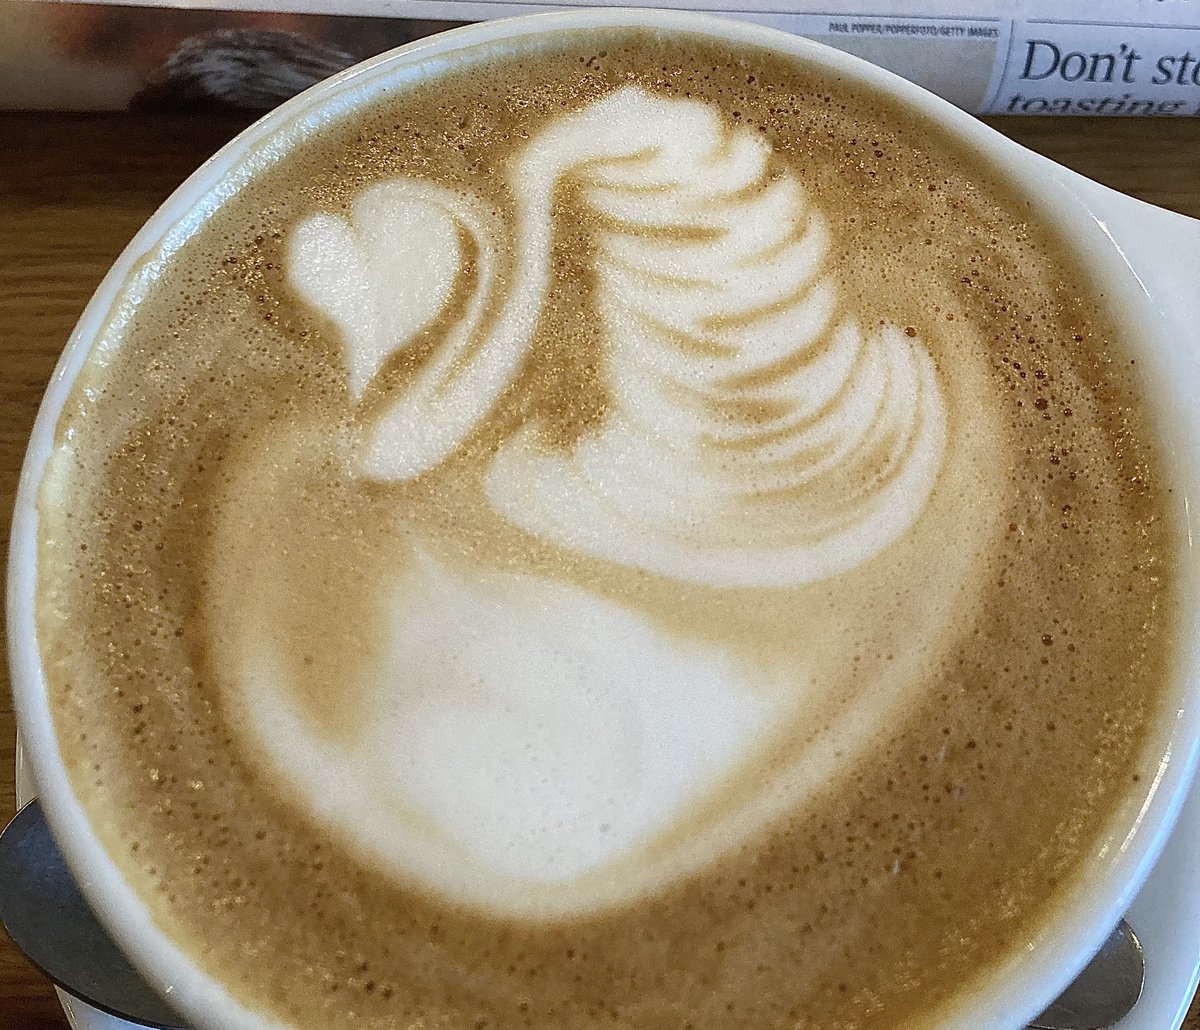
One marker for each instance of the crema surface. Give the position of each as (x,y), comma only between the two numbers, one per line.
(629,533)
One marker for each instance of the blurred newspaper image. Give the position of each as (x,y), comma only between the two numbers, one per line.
(1068,57)
(110,57)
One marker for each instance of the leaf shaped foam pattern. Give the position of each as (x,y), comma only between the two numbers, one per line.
(756,435)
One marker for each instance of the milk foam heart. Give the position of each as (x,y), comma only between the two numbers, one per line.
(386,274)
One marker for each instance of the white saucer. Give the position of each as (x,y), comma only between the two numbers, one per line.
(1165,916)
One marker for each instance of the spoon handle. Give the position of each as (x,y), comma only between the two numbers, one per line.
(49,920)
(1105,992)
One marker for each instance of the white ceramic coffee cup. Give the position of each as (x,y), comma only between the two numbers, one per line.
(1146,259)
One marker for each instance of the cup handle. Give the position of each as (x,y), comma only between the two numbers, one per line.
(1161,247)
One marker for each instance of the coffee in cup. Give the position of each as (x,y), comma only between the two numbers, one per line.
(619,529)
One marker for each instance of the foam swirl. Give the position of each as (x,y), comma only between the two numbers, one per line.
(520,745)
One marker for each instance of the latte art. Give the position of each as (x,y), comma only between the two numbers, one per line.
(756,435)
(531,738)
(616,530)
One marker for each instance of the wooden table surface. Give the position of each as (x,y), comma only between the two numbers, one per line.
(75,188)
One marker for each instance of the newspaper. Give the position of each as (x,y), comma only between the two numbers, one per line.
(1049,57)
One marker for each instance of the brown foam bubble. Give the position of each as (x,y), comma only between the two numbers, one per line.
(871,904)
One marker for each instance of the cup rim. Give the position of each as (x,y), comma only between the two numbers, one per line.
(1015,992)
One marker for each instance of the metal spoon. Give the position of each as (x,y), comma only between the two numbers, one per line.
(47,918)
(1105,992)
